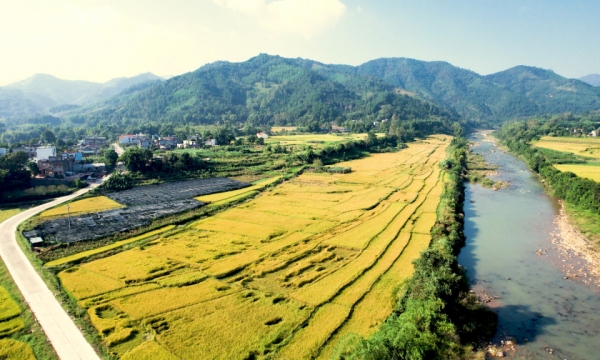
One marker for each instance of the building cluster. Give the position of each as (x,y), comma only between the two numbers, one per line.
(69,164)
(143,141)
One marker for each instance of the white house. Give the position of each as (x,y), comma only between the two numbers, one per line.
(211,142)
(130,138)
(2,151)
(44,152)
(262,135)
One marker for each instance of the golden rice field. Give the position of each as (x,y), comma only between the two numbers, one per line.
(84,206)
(15,350)
(584,171)
(285,275)
(584,146)
(313,139)
(276,129)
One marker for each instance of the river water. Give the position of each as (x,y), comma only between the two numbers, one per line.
(549,316)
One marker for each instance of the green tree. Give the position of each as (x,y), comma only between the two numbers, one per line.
(48,137)
(110,158)
(136,159)
(34,168)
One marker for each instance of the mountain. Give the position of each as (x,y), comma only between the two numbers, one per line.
(263,90)
(517,92)
(550,92)
(465,91)
(592,79)
(42,92)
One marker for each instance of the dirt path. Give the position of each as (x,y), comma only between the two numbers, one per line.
(62,333)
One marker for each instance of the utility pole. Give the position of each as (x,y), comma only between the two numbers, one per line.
(69,215)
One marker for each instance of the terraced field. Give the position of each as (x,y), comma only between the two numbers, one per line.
(585,146)
(10,323)
(289,273)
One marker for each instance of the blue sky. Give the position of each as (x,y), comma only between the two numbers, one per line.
(101,39)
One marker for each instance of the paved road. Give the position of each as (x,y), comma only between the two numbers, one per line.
(67,340)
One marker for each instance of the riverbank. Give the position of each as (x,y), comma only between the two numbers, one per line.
(578,258)
(514,267)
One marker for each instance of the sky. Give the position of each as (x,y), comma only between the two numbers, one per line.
(97,40)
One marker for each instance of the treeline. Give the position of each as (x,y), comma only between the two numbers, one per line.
(437,318)
(580,192)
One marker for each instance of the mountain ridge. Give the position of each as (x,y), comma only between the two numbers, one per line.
(592,79)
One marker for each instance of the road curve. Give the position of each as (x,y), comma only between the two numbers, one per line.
(63,334)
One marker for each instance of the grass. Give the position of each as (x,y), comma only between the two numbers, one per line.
(279,275)
(586,221)
(86,254)
(84,206)
(8,213)
(585,171)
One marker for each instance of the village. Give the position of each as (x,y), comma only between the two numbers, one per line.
(79,161)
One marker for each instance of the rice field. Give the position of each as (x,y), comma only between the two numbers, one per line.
(285,275)
(84,206)
(584,146)
(585,171)
(313,139)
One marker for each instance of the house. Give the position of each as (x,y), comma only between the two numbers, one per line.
(262,135)
(187,144)
(77,156)
(31,153)
(211,142)
(144,143)
(56,166)
(45,152)
(169,141)
(87,150)
(339,129)
(130,138)
(94,142)
(594,133)
(2,151)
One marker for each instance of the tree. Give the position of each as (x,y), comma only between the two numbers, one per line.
(48,137)
(110,158)
(34,168)
(136,159)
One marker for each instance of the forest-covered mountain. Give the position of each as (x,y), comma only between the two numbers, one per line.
(271,90)
(517,92)
(592,79)
(263,90)
(40,93)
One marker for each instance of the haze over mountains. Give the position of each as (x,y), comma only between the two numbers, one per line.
(592,79)
(275,90)
(42,92)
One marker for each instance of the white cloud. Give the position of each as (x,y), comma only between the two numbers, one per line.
(306,17)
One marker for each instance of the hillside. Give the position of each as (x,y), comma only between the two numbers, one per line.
(42,92)
(517,92)
(550,92)
(592,79)
(263,90)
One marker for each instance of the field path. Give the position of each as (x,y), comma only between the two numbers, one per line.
(63,334)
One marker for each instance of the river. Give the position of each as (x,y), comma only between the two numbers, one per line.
(549,316)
